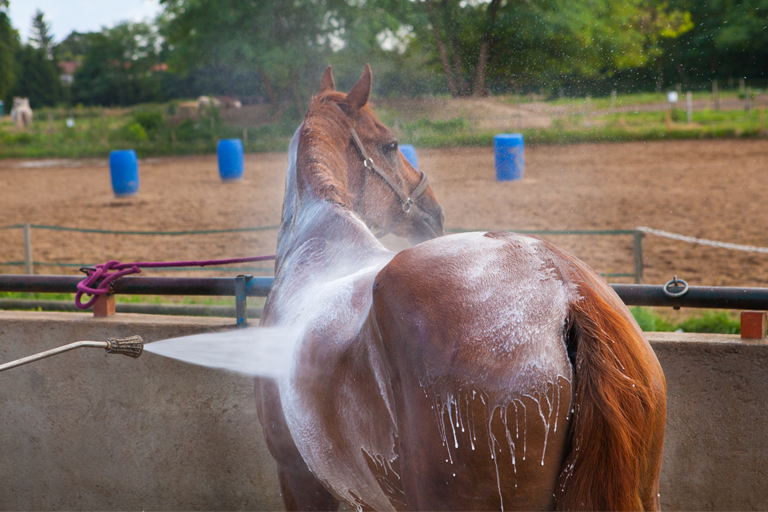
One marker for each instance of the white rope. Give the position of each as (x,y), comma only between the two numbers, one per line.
(703,241)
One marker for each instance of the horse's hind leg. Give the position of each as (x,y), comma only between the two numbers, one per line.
(300,489)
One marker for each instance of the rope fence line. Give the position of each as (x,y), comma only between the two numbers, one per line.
(703,241)
(29,263)
(132,232)
(637,235)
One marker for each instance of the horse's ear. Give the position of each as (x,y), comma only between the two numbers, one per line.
(327,82)
(361,91)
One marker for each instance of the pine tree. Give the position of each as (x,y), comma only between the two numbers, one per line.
(41,37)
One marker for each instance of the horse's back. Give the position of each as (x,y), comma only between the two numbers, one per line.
(472,326)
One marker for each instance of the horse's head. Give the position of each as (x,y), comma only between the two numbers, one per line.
(348,156)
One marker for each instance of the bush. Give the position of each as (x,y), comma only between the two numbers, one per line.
(135,132)
(18,138)
(150,120)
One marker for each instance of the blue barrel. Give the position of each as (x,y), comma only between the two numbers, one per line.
(230,153)
(124,169)
(409,152)
(508,152)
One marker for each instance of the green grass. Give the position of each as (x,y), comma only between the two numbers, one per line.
(145,128)
(139,299)
(637,98)
(707,321)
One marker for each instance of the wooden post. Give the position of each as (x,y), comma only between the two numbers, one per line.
(105,123)
(689,105)
(613,99)
(715,96)
(637,252)
(50,127)
(104,306)
(28,268)
(753,324)
(245,136)
(173,137)
(679,89)
(748,99)
(762,120)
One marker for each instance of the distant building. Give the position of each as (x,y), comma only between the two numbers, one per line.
(67,71)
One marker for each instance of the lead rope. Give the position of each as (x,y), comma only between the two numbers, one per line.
(101,277)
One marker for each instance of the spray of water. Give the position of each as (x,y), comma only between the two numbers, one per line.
(255,351)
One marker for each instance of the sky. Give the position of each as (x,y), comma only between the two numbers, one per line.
(64,16)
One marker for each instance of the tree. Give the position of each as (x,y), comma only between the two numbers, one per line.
(72,48)
(41,37)
(729,39)
(9,43)
(511,42)
(37,77)
(117,65)
(284,43)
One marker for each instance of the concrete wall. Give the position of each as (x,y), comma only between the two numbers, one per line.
(716,444)
(87,430)
(90,431)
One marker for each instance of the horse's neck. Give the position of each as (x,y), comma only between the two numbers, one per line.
(340,240)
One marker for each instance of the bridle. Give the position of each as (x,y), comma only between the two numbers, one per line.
(406,201)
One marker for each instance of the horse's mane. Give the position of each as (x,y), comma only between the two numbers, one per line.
(324,139)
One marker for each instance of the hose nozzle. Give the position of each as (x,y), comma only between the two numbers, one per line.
(132,346)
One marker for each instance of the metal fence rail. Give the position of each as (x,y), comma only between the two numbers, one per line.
(241,287)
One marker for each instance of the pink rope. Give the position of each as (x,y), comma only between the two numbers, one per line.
(102,272)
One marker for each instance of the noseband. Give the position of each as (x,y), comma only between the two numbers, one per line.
(406,202)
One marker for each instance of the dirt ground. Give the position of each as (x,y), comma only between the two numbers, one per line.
(707,189)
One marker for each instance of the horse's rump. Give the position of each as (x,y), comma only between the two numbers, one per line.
(472,328)
(481,333)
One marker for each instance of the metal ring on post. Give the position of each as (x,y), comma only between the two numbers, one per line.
(680,284)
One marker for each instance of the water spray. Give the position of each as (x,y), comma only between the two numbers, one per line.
(132,346)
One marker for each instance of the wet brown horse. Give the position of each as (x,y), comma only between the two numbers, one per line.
(481,371)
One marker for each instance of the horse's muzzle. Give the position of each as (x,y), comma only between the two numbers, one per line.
(426,224)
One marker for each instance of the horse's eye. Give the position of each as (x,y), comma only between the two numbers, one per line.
(390,148)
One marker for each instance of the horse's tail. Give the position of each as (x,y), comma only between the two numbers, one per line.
(619,409)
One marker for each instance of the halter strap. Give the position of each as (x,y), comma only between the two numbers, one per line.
(406,202)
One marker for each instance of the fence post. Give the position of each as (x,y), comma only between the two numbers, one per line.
(105,125)
(50,127)
(241,297)
(689,105)
(28,249)
(638,255)
(715,96)
(748,100)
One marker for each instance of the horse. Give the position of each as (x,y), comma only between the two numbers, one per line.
(21,113)
(477,371)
